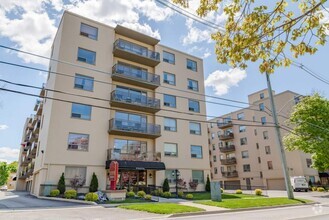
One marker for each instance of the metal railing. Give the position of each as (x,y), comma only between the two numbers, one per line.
(140,100)
(116,154)
(230,174)
(134,126)
(226,136)
(228,161)
(228,148)
(224,124)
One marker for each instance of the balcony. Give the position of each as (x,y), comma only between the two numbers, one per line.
(222,125)
(224,137)
(34,147)
(132,101)
(43,90)
(35,119)
(134,129)
(31,154)
(135,76)
(228,148)
(25,160)
(230,174)
(37,127)
(228,161)
(116,154)
(136,53)
(38,107)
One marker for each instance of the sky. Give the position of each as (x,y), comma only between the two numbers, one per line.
(30,25)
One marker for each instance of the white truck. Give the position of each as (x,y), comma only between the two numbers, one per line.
(299,183)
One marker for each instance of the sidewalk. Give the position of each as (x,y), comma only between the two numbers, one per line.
(207,208)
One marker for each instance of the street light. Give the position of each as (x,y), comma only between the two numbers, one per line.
(175,173)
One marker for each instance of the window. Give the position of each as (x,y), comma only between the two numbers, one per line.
(169,78)
(170,124)
(128,148)
(128,121)
(193,106)
(267,149)
(253,118)
(246,167)
(261,174)
(169,101)
(86,56)
(243,141)
(196,151)
(240,116)
(261,106)
(75,172)
(255,131)
(259,160)
(213,147)
(296,99)
(242,128)
(269,165)
(263,120)
(261,95)
(245,154)
(257,146)
(215,158)
(308,162)
(83,82)
(169,175)
(168,57)
(265,135)
(197,176)
(81,111)
(216,170)
(192,85)
(195,128)
(191,65)
(78,142)
(88,31)
(212,135)
(222,169)
(219,133)
(170,150)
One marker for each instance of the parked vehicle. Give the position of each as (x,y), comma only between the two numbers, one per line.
(4,188)
(299,183)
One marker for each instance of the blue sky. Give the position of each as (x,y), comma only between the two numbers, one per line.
(30,25)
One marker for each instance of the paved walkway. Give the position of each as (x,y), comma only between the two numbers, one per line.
(205,207)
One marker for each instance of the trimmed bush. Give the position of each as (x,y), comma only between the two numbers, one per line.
(180,194)
(320,189)
(189,196)
(93,183)
(208,184)
(166,194)
(221,190)
(141,194)
(61,184)
(314,188)
(238,191)
(258,192)
(130,194)
(70,194)
(165,185)
(147,197)
(157,192)
(54,192)
(93,197)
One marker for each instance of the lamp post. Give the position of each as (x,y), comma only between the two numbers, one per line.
(175,173)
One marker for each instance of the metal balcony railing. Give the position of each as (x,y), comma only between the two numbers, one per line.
(227,148)
(224,124)
(116,154)
(230,174)
(226,136)
(228,161)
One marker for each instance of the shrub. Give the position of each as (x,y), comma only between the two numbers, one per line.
(208,184)
(310,183)
(258,192)
(189,196)
(165,185)
(320,189)
(314,188)
(61,184)
(91,197)
(157,192)
(70,194)
(238,191)
(141,194)
(147,197)
(93,183)
(180,194)
(130,194)
(77,182)
(193,184)
(221,190)
(166,194)
(54,192)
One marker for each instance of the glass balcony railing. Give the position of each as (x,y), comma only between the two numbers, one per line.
(116,154)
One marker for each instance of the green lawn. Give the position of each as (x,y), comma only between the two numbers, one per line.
(253,202)
(162,208)
(207,196)
(129,200)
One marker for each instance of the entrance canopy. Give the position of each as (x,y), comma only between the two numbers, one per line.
(137,165)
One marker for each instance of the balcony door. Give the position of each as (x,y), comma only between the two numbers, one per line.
(128,121)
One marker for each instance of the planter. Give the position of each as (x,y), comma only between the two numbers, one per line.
(116,195)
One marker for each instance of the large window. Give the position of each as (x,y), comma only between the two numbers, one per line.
(191,65)
(270,165)
(245,154)
(168,57)
(170,124)
(169,100)
(86,56)
(246,168)
(78,142)
(192,85)
(170,149)
(81,111)
(242,128)
(195,128)
(124,117)
(88,31)
(261,107)
(267,149)
(263,120)
(196,151)
(75,172)
(214,158)
(84,82)
(128,147)
(197,176)
(169,78)
(130,95)
(243,141)
(240,116)
(265,135)
(193,106)
(261,96)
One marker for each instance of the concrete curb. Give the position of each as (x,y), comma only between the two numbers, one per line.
(67,200)
(237,210)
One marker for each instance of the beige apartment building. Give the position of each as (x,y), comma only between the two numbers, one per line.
(127,99)
(243,149)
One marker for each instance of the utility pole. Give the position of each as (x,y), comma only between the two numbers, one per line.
(279,140)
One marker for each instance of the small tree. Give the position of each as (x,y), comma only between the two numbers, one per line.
(93,184)
(208,184)
(77,182)
(3,173)
(310,184)
(165,185)
(61,184)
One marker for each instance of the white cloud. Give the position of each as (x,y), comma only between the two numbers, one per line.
(43,74)
(8,154)
(222,81)
(3,127)
(196,35)
(143,28)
